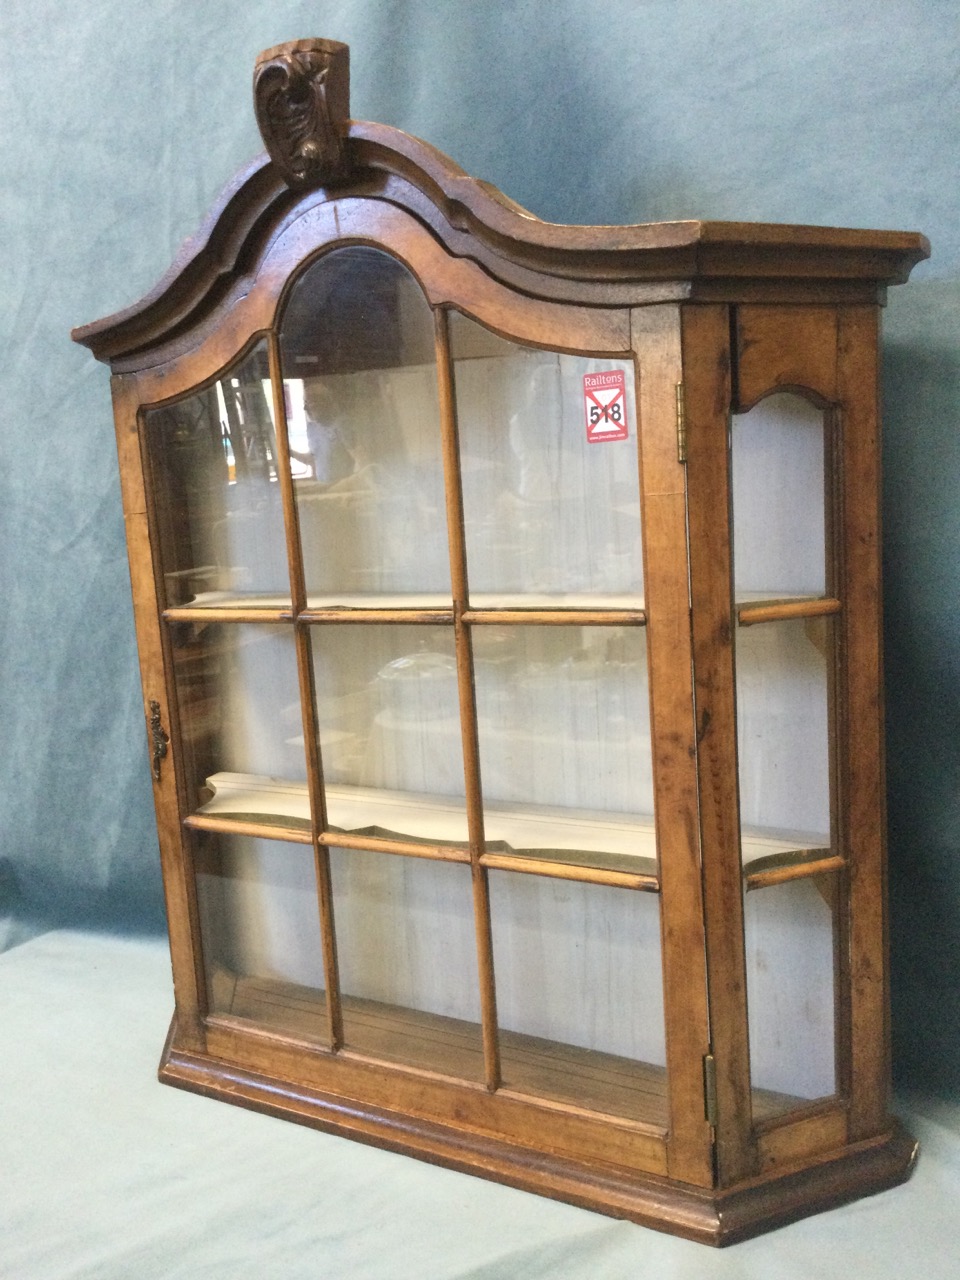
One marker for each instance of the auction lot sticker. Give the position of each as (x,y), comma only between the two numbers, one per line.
(605,405)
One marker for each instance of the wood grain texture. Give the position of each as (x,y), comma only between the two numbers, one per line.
(861,727)
(657,344)
(785,349)
(706,379)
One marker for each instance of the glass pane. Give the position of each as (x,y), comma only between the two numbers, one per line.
(784,747)
(779,502)
(407,953)
(389,721)
(550,481)
(564,726)
(790,993)
(219,511)
(784,735)
(580,993)
(261,934)
(240,721)
(359,370)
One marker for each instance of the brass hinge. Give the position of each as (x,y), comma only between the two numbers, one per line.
(710,1089)
(681,425)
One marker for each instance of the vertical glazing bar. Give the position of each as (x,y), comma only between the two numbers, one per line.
(285,479)
(311,738)
(468,711)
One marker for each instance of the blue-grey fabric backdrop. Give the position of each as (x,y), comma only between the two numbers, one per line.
(118,124)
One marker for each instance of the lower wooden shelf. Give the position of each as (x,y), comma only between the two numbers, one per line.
(541,1070)
(536,1068)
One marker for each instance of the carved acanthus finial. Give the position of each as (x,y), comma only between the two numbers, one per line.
(301,94)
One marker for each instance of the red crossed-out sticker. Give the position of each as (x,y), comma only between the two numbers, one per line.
(605,405)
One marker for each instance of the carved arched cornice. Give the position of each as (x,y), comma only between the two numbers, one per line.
(324,156)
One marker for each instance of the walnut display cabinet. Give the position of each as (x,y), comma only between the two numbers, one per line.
(508,606)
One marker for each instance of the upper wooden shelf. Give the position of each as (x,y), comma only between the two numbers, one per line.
(346,160)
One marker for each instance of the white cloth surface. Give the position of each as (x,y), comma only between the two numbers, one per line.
(107,1175)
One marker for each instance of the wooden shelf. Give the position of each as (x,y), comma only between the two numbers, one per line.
(535,1068)
(573,844)
(568,843)
(498,608)
(532,1068)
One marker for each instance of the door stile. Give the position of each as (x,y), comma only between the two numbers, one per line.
(656,341)
(158,700)
(707,399)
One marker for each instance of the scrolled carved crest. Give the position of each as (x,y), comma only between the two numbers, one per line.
(301,95)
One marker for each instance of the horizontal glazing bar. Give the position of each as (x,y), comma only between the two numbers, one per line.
(260,826)
(790,866)
(556,617)
(228,613)
(383,843)
(342,613)
(593,869)
(783,610)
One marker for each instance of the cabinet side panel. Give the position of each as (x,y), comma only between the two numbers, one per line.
(862,725)
(179,889)
(656,339)
(706,378)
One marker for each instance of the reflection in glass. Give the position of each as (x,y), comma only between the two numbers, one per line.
(790,992)
(261,934)
(579,992)
(359,370)
(407,955)
(550,479)
(239,706)
(564,725)
(218,507)
(779,499)
(388,713)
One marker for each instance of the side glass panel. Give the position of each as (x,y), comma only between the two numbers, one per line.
(564,725)
(389,725)
(784,746)
(780,529)
(261,933)
(580,994)
(784,731)
(782,484)
(240,722)
(550,475)
(790,932)
(407,956)
(219,515)
(360,379)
